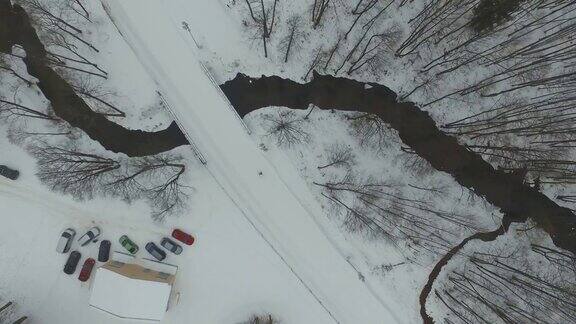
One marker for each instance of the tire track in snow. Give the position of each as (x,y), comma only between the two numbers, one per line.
(66,209)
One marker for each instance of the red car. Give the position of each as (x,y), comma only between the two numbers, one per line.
(183,237)
(86,269)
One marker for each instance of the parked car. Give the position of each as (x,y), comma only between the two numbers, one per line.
(171,246)
(155,251)
(104,251)
(21,320)
(89,236)
(183,237)
(9,173)
(86,270)
(65,241)
(72,262)
(128,244)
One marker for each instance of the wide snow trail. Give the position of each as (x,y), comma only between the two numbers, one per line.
(236,162)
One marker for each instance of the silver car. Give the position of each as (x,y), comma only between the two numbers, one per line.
(65,241)
(171,246)
(89,236)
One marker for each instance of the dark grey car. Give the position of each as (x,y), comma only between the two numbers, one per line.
(171,246)
(9,173)
(72,262)
(155,251)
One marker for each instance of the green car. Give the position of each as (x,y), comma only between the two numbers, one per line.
(128,244)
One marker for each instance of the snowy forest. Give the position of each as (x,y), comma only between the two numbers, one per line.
(438,136)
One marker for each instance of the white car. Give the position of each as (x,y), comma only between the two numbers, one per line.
(65,241)
(89,236)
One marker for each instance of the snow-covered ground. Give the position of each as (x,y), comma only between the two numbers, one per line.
(228,274)
(370,255)
(238,165)
(266,244)
(245,279)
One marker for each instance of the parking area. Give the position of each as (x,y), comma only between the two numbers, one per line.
(228,274)
(73,243)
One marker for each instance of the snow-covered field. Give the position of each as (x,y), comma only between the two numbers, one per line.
(244,290)
(270,238)
(236,163)
(228,274)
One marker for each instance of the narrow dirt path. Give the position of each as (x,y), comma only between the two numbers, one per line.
(418,131)
(15,28)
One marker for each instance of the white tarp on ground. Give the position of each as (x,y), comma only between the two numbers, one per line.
(129,298)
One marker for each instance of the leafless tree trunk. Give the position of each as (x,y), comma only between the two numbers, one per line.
(318,10)
(293,36)
(86,13)
(339,155)
(287,128)
(9,109)
(157,178)
(69,171)
(381,210)
(499,288)
(264,21)
(316,61)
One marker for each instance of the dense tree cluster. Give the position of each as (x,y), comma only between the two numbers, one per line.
(504,286)
(155,178)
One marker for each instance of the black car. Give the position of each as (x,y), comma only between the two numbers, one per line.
(155,251)
(104,251)
(9,173)
(72,262)
(171,246)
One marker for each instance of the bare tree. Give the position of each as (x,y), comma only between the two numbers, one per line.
(339,156)
(361,8)
(157,178)
(382,210)
(373,50)
(371,131)
(292,38)
(11,110)
(509,286)
(287,128)
(95,95)
(6,67)
(527,66)
(319,8)
(262,319)
(58,20)
(330,53)
(85,12)
(263,21)
(435,20)
(20,135)
(563,261)
(317,60)
(69,171)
